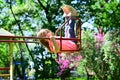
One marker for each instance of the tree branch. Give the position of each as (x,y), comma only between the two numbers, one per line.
(20,29)
(46,9)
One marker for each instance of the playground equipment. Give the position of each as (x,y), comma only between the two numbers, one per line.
(6,33)
(4,68)
(7,37)
(78,34)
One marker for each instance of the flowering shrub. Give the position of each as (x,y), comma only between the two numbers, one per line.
(67,62)
(100,52)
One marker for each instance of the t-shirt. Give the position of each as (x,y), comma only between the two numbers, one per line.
(66,45)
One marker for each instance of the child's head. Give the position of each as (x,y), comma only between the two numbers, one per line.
(69,9)
(44,32)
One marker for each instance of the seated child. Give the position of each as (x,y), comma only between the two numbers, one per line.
(52,44)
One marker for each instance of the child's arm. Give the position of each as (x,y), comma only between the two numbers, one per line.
(55,45)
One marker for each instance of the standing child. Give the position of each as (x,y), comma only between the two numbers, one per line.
(69,12)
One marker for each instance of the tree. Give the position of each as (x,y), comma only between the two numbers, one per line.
(106,13)
(26,17)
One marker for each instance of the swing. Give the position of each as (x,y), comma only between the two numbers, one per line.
(77,39)
(77,32)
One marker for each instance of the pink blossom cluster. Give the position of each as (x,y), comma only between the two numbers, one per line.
(99,37)
(69,61)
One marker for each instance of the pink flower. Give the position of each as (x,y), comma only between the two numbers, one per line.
(99,36)
(79,57)
(76,64)
(71,59)
(67,62)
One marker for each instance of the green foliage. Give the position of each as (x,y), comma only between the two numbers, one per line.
(106,14)
(32,16)
(103,60)
(45,64)
(24,7)
(4,52)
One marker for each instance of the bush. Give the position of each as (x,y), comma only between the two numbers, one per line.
(101,54)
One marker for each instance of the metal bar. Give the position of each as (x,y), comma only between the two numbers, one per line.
(28,37)
(19,41)
(70,50)
(31,37)
(22,41)
(59,29)
(65,23)
(5,68)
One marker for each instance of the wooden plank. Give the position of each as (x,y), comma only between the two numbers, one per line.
(4,75)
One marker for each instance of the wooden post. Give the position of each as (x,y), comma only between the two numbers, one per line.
(3,32)
(11,60)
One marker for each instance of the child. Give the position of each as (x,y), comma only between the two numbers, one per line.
(69,12)
(53,44)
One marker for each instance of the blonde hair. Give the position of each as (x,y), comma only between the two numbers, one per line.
(42,34)
(69,9)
